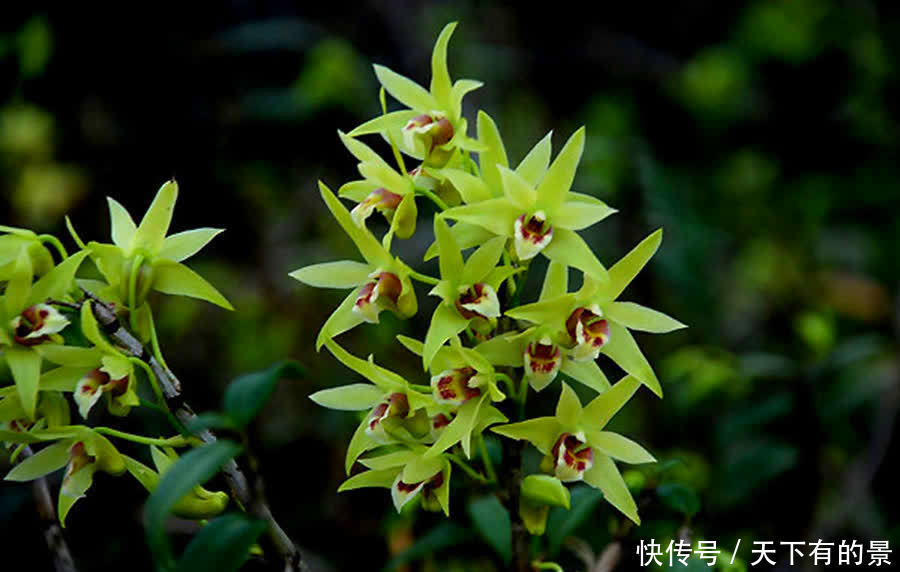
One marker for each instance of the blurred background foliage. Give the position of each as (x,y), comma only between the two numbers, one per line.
(762,135)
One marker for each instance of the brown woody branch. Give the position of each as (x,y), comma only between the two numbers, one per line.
(56,543)
(251,497)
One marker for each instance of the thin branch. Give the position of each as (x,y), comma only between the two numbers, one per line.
(251,498)
(56,543)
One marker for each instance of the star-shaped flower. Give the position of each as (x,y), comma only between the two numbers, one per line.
(594,321)
(142,258)
(577,448)
(543,217)
(433,128)
(380,283)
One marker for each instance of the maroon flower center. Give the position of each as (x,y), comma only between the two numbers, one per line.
(544,357)
(31,320)
(595,328)
(474,295)
(576,453)
(449,386)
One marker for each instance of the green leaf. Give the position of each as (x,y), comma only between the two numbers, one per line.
(57,282)
(568,409)
(493,524)
(210,421)
(494,157)
(122,227)
(368,246)
(541,432)
(25,366)
(535,163)
(568,248)
(183,245)
(601,409)
(679,497)
(341,274)
(605,476)
(445,322)
(637,317)
(545,490)
(177,279)
(194,468)
(49,459)
(623,350)
(440,77)
(383,123)
(223,545)
(619,447)
(405,90)
(558,179)
(353,397)
(623,272)
(153,228)
(247,394)
(563,523)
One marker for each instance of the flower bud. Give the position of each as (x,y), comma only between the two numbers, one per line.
(532,235)
(571,456)
(478,300)
(37,324)
(589,331)
(542,362)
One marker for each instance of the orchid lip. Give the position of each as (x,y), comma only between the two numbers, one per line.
(454,386)
(478,301)
(532,234)
(572,456)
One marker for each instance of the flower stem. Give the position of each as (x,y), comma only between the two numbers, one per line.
(467,469)
(49,238)
(434,198)
(486,459)
(423,278)
(132,287)
(176,441)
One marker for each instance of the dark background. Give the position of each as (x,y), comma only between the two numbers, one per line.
(762,135)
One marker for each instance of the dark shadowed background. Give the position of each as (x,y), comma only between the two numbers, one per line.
(762,135)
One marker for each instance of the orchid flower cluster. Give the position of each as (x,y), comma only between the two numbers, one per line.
(56,350)
(484,350)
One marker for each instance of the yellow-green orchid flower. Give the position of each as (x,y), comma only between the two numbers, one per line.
(542,351)
(577,448)
(380,283)
(410,475)
(543,217)
(142,258)
(595,322)
(489,185)
(28,323)
(397,411)
(15,240)
(433,129)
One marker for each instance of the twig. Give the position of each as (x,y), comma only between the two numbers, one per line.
(251,498)
(56,543)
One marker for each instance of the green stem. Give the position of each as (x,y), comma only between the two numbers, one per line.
(547,566)
(419,387)
(132,287)
(486,459)
(510,384)
(434,198)
(523,397)
(49,238)
(176,441)
(154,341)
(467,469)
(424,278)
(154,383)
